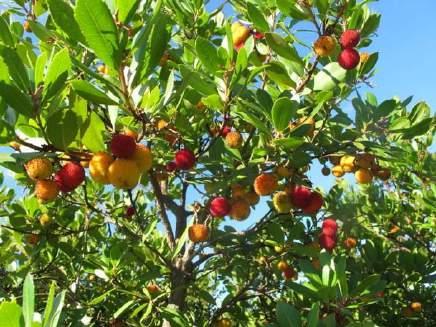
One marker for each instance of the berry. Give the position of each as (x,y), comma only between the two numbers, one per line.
(123,146)
(363,176)
(349,59)
(130,211)
(124,174)
(327,242)
(301,196)
(324,46)
(282,266)
(349,39)
(45,219)
(225,131)
(265,184)
(315,203)
(383,174)
(143,157)
(171,166)
(224,322)
(32,239)
(153,288)
(238,191)
(329,227)
(283,172)
(131,133)
(185,159)
(46,190)
(416,306)
(70,177)
(234,140)
(282,202)
(252,198)
(347,163)
(364,160)
(99,166)
(220,207)
(350,243)
(198,233)
(39,168)
(240,210)
(289,273)
(240,34)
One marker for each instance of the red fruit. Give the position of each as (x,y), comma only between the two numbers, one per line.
(301,196)
(185,159)
(289,273)
(130,211)
(327,242)
(225,130)
(349,59)
(329,227)
(219,207)
(258,35)
(123,146)
(349,39)
(316,202)
(70,177)
(171,166)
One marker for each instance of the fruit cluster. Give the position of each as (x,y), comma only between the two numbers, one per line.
(328,236)
(363,165)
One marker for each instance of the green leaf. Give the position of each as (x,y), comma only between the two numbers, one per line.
(41,61)
(278,73)
(174,317)
(93,136)
(49,305)
(419,112)
(369,64)
(287,315)
(282,112)
(55,312)
(10,315)
(98,27)
(123,308)
(197,81)
(5,34)
(87,91)
(62,128)
(366,284)
(18,100)
(101,297)
(290,143)
(57,73)
(313,316)
(208,55)
(28,300)
(329,77)
(257,18)
(291,8)
(16,68)
(126,9)
(282,48)
(63,16)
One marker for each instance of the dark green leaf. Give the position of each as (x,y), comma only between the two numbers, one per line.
(208,55)
(257,18)
(287,315)
(290,143)
(5,34)
(19,101)
(28,300)
(282,47)
(62,128)
(17,70)
(282,112)
(90,93)
(63,16)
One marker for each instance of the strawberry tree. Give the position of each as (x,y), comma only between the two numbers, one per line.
(163,155)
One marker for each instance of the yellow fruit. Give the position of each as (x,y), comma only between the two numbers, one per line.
(124,174)
(240,34)
(26,26)
(252,198)
(238,191)
(103,69)
(224,322)
(416,306)
(279,249)
(234,140)
(161,124)
(364,56)
(338,171)
(364,160)
(198,233)
(283,172)
(265,184)
(363,176)
(46,190)
(240,209)
(153,288)
(44,219)
(282,265)
(347,163)
(39,168)
(99,167)
(324,46)
(282,202)
(143,158)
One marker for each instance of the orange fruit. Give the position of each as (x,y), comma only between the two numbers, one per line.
(198,233)
(324,46)
(240,209)
(265,184)
(39,168)
(363,176)
(46,190)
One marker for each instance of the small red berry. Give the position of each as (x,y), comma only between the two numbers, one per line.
(70,177)
(349,39)
(225,130)
(301,196)
(130,211)
(258,35)
(185,159)
(349,59)
(327,242)
(123,146)
(171,166)
(315,203)
(329,227)
(220,207)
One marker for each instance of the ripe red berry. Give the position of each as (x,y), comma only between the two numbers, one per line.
(300,196)
(219,207)
(130,211)
(70,177)
(329,227)
(258,35)
(327,242)
(349,59)
(184,159)
(171,166)
(349,39)
(225,130)
(123,146)
(315,203)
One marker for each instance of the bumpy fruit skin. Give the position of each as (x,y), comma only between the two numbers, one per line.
(153,288)
(383,174)
(324,46)
(185,159)
(46,190)
(123,146)
(70,176)
(265,184)
(224,322)
(234,140)
(363,176)
(282,265)
(131,133)
(32,239)
(198,233)
(283,172)
(143,158)
(347,163)
(220,207)
(416,306)
(130,211)
(240,34)
(238,191)
(124,174)
(171,166)
(240,210)
(349,39)
(282,202)
(39,168)
(329,227)
(364,160)
(327,242)
(289,273)
(252,198)
(45,219)
(99,166)
(315,203)
(350,243)
(300,196)
(349,59)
